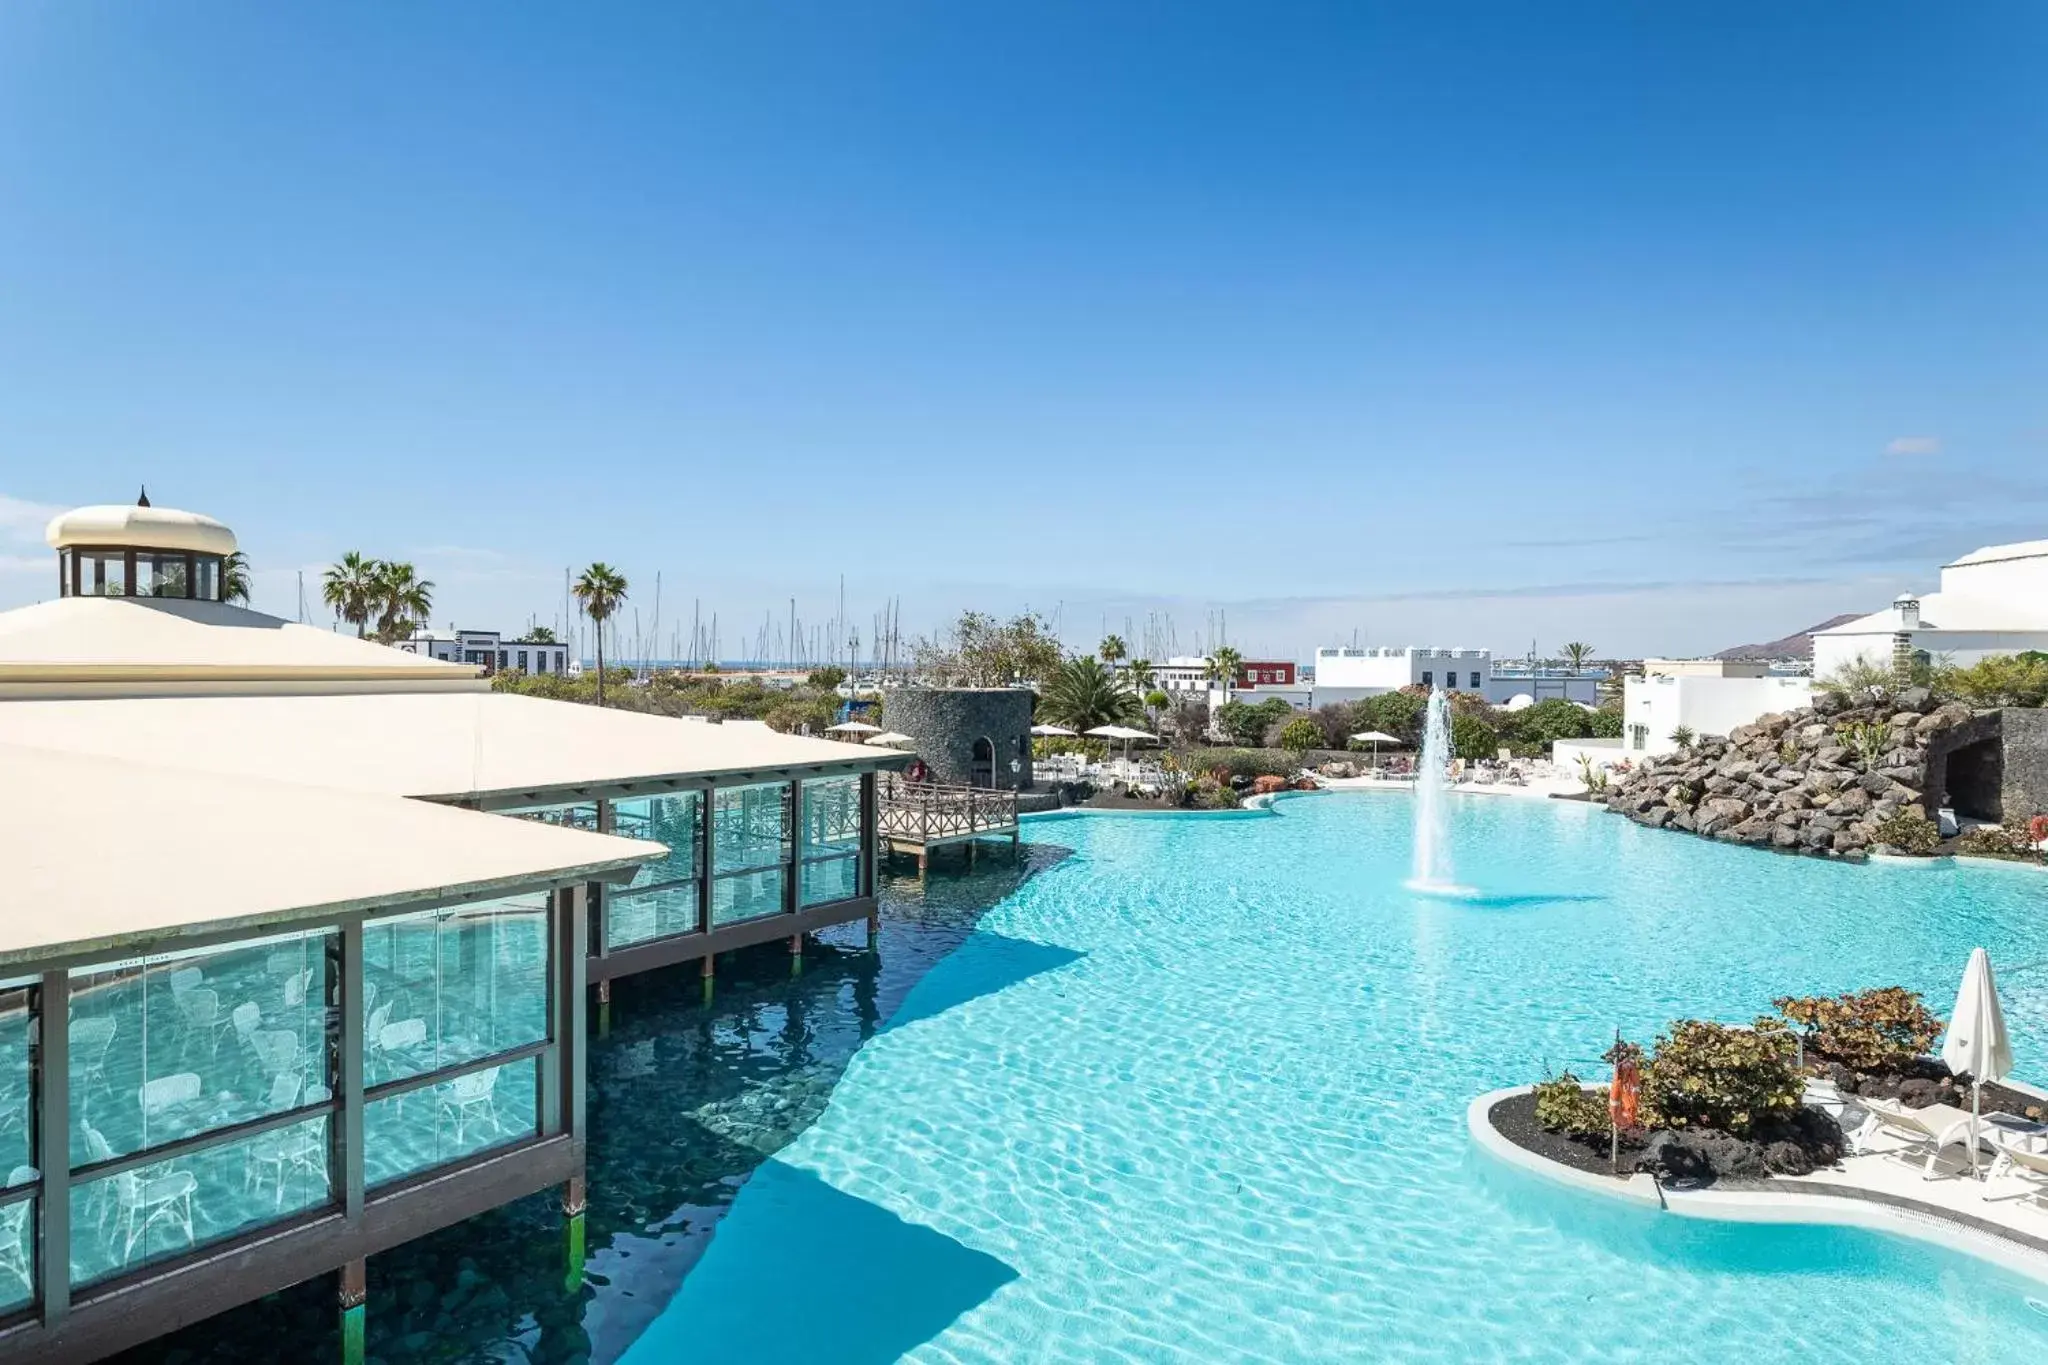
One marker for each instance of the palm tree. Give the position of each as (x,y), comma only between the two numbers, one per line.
(539,635)
(1223,666)
(349,588)
(1112,649)
(234,578)
(1082,694)
(1576,653)
(601,589)
(1141,676)
(1684,737)
(403,600)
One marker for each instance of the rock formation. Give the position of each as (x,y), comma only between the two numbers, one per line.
(1820,780)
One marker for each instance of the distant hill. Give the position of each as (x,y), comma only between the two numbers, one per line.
(1798,646)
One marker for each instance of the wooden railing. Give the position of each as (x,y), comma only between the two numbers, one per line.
(926,812)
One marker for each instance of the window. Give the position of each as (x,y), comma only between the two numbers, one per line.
(162,574)
(830,850)
(1638,736)
(522,661)
(101,573)
(17,1144)
(661,900)
(1428,677)
(207,580)
(750,838)
(1475,682)
(502,661)
(453,986)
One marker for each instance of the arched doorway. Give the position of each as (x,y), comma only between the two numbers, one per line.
(981,769)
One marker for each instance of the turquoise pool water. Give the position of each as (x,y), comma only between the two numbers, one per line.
(1196,1092)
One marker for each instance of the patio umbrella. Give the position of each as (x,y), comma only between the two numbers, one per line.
(853,727)
(1052,731)
(1977,1042)
(1377,738)
(1124,733)
(891,737)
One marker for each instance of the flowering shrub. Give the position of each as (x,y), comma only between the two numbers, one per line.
(1708,1075)
(1867,1030)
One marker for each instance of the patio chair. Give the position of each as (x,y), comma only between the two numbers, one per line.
(168,1092)
(15,1258)
(2031,1167)
(373,1036)
(186,979)
(200,1009)
(143,1198)
(470,1099)
(278,1051)
(1933,1128)
(296,987)
(90,1039)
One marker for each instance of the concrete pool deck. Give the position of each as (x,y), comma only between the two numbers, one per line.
(1882,1191)
(1537,788)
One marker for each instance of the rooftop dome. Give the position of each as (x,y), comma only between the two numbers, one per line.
(140,527)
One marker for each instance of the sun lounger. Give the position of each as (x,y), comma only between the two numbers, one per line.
(2018,1161)
(1934,1128)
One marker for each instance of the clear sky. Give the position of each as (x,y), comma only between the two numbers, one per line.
(1662,326)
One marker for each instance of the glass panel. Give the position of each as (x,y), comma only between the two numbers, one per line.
(837,879)
(750,826)
(581,816)
(831,822)
(102,574)
(17,1254)
(159,575)
(17,1110)
(670,820)
(437,1124)
(637,916)
(450,986)
(746,895)
(167,1047)
(208,567)
(119,1222)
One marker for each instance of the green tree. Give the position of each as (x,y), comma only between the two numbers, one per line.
(1575,655)
(1141,674)
(1112,650)
(1223,666)
(2000,680)
(1472,738)
(1394,713)
(985,652)
(826,679)
(234,578)
(1157,701)
(1550,720)
(1606,723)
(1300,735)
(349,589)
(402,599)
(600,591)
(1082,694)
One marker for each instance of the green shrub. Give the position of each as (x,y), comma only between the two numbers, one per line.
(1869,1030)
(1865,739)
(1909,832)
(1238,762)
(1707,1075)
(1989,841)
(1300,735)
(1564,1105)
(1206,793)
(1473,739)
(1605,723)
(2001,680)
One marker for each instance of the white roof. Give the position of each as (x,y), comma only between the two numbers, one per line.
(457,746)
(79,646)
(101,852)
(1997,554)
(138,527)
(1941,611)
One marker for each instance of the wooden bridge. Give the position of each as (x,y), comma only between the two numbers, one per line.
(917,817)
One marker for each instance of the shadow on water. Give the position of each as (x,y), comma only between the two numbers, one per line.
(687,1105)
(895,1285)
(1510,900)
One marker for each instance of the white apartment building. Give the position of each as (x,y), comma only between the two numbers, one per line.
(1991,601)
(489,650)
(1347,674)
(1705,696)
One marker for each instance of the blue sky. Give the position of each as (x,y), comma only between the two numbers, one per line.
(1660,326)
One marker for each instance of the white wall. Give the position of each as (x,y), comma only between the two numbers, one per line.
(1707,706)
(1961,647)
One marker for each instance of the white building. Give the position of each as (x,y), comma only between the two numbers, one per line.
(492,653)
(1705,696)
(1991,601)
(1345,674)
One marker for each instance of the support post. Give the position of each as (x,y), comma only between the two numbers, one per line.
(348,1123)
(53,1142)
(796,955)
(353,1295)
(575,1204)
(708,969)
(604,1008)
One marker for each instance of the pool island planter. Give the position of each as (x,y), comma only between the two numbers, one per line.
(1771,1199)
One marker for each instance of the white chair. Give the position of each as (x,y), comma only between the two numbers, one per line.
(278,1051)
(185,979)
(470,1099)
(1934,1128)
(146,1197)
(295,989)
(15,1258)
(2017,1161)
(165,1092)
(200,1009)
(373,1038)
(403,1034)
(90,1039)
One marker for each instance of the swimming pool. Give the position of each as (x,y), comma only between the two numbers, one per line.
(1196,1092)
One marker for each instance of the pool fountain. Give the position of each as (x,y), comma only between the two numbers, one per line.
(1430,869)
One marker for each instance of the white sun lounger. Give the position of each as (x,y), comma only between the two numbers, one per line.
(1934,1128)
(2030,1166)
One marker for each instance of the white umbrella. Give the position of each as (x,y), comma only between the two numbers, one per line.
(1376,738)
(891,737)
(853,727)
(1124,733)
(1052,731)
(1977,1042)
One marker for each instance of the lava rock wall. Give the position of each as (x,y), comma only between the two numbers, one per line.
(945,722)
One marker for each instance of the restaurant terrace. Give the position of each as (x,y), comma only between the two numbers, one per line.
(335,998)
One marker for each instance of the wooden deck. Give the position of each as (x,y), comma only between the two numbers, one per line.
(917,817)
